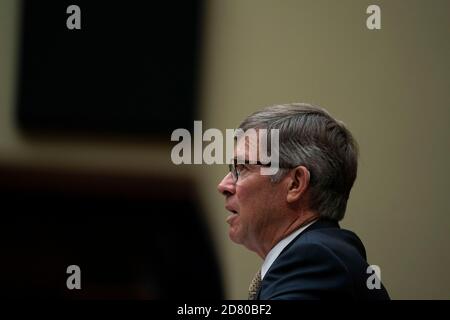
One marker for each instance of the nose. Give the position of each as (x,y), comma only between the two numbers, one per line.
(227,187)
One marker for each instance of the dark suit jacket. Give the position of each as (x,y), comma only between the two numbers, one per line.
(323,262)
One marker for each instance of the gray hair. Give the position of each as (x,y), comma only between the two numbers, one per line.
(310,136)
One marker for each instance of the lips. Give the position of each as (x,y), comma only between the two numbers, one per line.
(234,213)
(231,209)
(231,218)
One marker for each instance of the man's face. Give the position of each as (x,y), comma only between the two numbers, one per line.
(254,202)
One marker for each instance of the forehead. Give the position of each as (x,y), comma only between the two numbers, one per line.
(246,145)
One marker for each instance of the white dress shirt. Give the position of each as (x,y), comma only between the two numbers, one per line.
(276,250)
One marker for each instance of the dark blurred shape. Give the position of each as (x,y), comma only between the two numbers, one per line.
(131,68)
(134,237)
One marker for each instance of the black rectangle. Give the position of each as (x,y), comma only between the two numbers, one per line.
(130,68)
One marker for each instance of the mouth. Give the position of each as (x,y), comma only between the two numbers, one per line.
(230,209)
(233,215)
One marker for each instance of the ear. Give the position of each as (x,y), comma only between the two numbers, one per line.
(298,183)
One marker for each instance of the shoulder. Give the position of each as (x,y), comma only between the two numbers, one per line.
(305,271)
(323,263)
(337,242)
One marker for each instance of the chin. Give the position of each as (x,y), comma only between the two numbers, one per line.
(234,237)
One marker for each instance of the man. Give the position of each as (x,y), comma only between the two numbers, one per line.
(290,219)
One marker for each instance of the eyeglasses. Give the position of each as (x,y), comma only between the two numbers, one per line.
(235,168)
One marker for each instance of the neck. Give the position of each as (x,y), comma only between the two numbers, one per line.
(299,221)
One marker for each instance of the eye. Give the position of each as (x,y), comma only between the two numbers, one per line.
(241,168)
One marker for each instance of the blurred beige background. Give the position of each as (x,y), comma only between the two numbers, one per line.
(391,87)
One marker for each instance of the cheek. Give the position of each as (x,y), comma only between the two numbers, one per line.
(256,195)
(246,197)
(241,194)
(252,202)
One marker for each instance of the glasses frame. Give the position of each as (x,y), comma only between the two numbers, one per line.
(235,173)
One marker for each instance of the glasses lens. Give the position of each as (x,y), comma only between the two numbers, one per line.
(233,172)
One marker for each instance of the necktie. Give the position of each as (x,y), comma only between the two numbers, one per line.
(254,286)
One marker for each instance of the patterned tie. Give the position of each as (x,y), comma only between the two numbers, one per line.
(254,286)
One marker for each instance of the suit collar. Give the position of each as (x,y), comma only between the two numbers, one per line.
(321,223)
